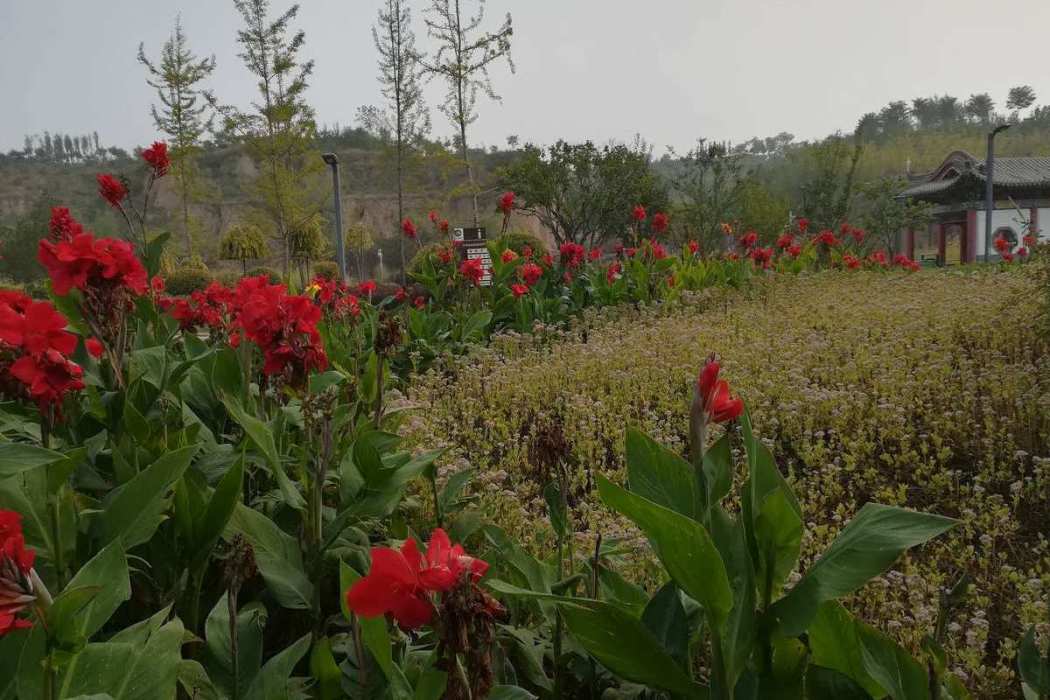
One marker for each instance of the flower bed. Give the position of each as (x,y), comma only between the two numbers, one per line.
(925,390)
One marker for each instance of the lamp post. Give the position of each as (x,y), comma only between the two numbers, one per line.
(333,161)
(989,186)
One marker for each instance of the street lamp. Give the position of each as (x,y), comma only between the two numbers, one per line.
(989,199)
(333,161)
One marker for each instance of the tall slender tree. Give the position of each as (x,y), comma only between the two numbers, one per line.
(279,129)
(462,59)
(406,120)
(181,115)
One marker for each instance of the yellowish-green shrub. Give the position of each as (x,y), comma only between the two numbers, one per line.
(930,391)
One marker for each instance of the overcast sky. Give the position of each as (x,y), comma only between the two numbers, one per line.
(672,70)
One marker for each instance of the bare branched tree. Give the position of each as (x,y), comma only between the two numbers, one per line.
(463,57)
(175,78)
(406,120)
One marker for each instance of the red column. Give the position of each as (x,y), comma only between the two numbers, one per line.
(1033,217)
(970,246)
(938,232)
(909,243)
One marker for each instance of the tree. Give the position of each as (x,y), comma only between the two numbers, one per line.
(243,242)
(406,118)
(980,108)
(176,78)
(884,216)
(829,172)
(895,118)
(709,182)
(462,60)
(582,193)
(279,130)
(1020,97)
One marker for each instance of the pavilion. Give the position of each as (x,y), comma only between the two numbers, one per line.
(956,189)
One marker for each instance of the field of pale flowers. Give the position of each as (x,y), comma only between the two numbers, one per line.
(930,391)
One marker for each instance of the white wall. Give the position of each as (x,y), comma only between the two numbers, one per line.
(1009,218)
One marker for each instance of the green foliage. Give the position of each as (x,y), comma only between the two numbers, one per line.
(183,281)
(582,193)
(518,241)
(243,242)
(885,217)
(270,273)
(327,269)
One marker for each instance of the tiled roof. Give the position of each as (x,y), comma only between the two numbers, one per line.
(1011,172)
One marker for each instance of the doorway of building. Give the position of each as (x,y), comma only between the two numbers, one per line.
(953,247)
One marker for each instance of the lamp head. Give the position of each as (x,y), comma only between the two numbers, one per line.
(330,158)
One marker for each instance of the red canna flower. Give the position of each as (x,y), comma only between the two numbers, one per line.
(657,251)
(400,295)
(613,272)
(638,214)
(1030,240)
(660,222)
(519,290)
(713,395)
(803,225)
(157,158)
(366,288)
(694,247)
(36,327)
(794,250)
(1001,244)
(902,260)
(408,228)
(1022,252)
(433,216)
(444,255)
(443,226)
(16,563)
(531,273)
(111,189)
(595,254)
(94,347)
(419,302)
(548,260)
(473,271)
(572,254)
(850,261)
(1008,258)
(157,284)
(748,240)
(761,256)
(283,326)
(401,582)
(526,252)
(63,227)
(506,203)
(878,258)
(508,256)
(827,237)
(85,261)
(785,241)
(48,376)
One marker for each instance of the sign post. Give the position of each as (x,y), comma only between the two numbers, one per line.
(472,245)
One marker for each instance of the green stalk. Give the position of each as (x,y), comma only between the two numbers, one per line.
(231,607)
(718,672)
(438,515)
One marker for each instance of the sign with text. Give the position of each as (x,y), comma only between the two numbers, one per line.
(472,245)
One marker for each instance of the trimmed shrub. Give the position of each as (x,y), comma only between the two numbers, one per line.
(327,269)
(183,281)
(517,240)
(243,242)
(273,275)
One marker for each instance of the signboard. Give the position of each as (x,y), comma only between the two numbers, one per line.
(472,246)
